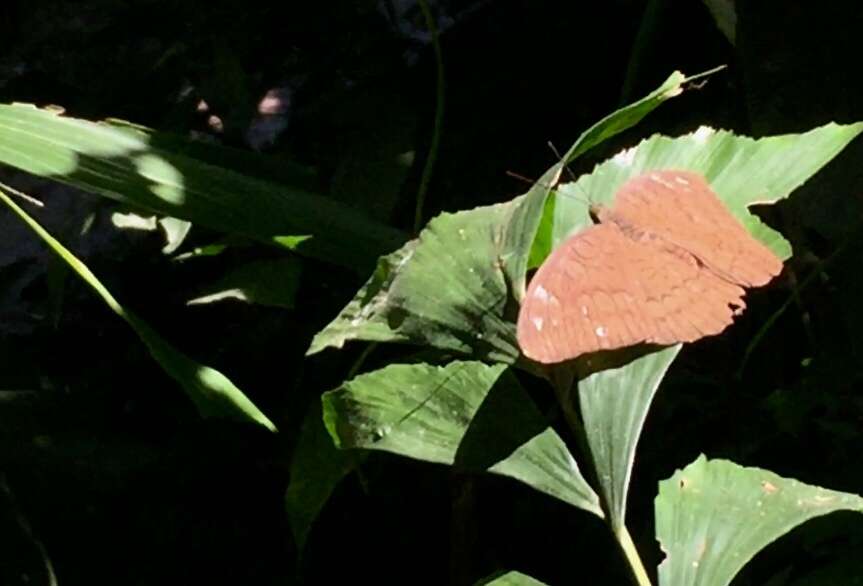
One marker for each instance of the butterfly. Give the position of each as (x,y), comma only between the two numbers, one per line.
(666,263)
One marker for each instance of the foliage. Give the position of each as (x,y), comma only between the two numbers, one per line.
(427,369)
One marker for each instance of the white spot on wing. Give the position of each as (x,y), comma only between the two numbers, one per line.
(681,180)
(540,293)
(601,332)
(655,177)
(537,322)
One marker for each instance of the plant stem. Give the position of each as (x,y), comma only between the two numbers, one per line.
(425,179)
(639,574)
(358,363)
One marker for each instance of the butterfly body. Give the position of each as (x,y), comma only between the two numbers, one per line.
(666,263)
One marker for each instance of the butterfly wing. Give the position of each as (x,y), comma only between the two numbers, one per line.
(681,208)
(601,289)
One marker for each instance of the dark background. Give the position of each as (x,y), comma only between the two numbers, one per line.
(105,462)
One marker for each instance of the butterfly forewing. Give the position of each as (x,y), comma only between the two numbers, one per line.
(681,208)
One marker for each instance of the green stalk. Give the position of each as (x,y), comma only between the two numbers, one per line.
(425,179)
(639,574)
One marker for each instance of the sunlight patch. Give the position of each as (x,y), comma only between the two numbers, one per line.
(166,181)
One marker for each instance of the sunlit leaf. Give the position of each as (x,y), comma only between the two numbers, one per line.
(443,289)
(469,414)
(614,405)
(175,231)
(743,171)
(714,516)
(133,221)
(156,172)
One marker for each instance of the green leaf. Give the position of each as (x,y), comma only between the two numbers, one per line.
(264,282)
(317,468)
(443,289)
(510,579)
(743,171)
(150,171)
(212,392)
(614,405)
(714,516)
(469,414)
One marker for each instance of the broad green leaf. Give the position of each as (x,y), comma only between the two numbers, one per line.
(212,392)
(263,282)
(317,467)
(469,414)
(150,171)
(743,171)
(510,579)
(714,516)
(614,405)
(443,289)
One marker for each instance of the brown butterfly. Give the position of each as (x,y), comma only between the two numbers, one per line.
(667,263)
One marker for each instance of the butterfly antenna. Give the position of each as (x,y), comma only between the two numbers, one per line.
(520,177)
(560,158)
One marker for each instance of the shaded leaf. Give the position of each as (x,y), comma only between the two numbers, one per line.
(212,392)
(317,468)
(714,516)
(264,282)
(469,414)
(724,14)
(148,170)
